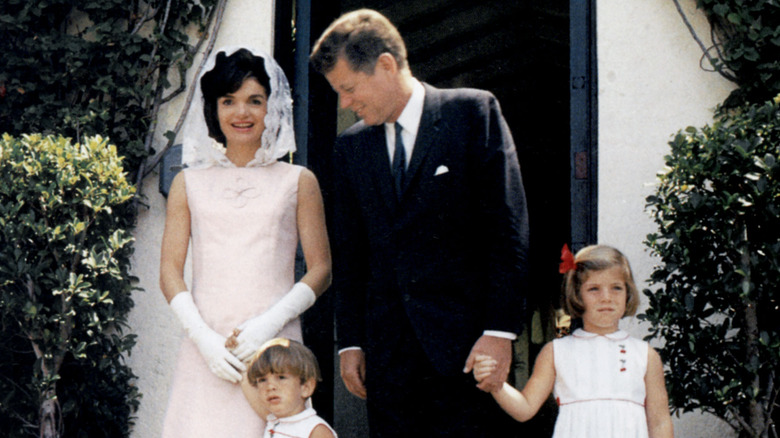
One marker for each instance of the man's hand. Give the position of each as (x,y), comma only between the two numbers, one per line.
(500,349)
(484,367)
(353,371)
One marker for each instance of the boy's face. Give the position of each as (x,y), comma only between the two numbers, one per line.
(283,394)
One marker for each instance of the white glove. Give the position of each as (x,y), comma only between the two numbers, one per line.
(261,328)
(210,343)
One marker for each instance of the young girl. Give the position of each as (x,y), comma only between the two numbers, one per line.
(606,383)
(283,375)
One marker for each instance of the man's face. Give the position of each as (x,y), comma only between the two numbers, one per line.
(373,97)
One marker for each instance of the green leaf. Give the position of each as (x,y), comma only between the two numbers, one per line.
(720,9)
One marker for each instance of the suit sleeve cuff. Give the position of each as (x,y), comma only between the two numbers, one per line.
(500,334)
(350,348)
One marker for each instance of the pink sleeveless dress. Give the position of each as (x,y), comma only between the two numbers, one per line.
(244,239)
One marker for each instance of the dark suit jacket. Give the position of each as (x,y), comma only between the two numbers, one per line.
(451,254)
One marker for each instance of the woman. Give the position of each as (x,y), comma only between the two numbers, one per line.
(245,213)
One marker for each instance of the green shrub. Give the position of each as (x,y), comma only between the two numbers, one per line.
(717,301)
(88,67)
(65,285)
(746,46)
(78,68)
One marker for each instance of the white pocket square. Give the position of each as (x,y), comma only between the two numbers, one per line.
(441,170)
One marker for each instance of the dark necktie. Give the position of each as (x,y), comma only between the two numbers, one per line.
(399,161)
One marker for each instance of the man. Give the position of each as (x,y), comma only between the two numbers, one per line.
(430,238)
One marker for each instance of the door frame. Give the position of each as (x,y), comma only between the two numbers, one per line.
(583,123)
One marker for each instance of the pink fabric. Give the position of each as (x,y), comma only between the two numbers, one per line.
(244,238)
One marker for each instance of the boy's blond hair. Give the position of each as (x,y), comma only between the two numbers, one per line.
(282,355)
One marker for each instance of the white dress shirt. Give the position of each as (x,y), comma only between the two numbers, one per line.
(409,121)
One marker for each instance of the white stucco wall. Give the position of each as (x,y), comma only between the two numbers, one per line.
(650,86)
(245,22)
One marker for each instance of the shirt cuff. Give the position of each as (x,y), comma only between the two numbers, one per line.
(500,334)
(350,348)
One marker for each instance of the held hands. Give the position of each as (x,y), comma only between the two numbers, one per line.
(251,335)
(221,362)
(497,349)
(484,367)
(210,344)
(256,331)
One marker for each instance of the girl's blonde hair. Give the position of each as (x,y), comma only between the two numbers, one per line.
(596,258)
(281,355)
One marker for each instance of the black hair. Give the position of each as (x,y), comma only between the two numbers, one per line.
(227,76)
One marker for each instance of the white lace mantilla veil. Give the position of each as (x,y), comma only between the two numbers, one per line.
(200,151)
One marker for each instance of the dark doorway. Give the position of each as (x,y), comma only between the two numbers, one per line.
(537,58)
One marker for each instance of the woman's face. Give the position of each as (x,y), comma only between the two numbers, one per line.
(242,114)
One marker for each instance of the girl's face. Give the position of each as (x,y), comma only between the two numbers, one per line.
(242,114)
(283,394)
(604,295)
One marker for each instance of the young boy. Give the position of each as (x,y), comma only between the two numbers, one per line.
(281,377)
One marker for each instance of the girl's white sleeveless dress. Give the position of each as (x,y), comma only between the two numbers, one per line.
(244,239)
(600,385)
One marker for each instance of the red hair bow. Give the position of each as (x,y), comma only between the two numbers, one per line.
(567,260)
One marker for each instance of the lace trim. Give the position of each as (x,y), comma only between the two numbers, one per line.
(201,151)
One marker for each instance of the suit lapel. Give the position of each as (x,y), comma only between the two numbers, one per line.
(426,135)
